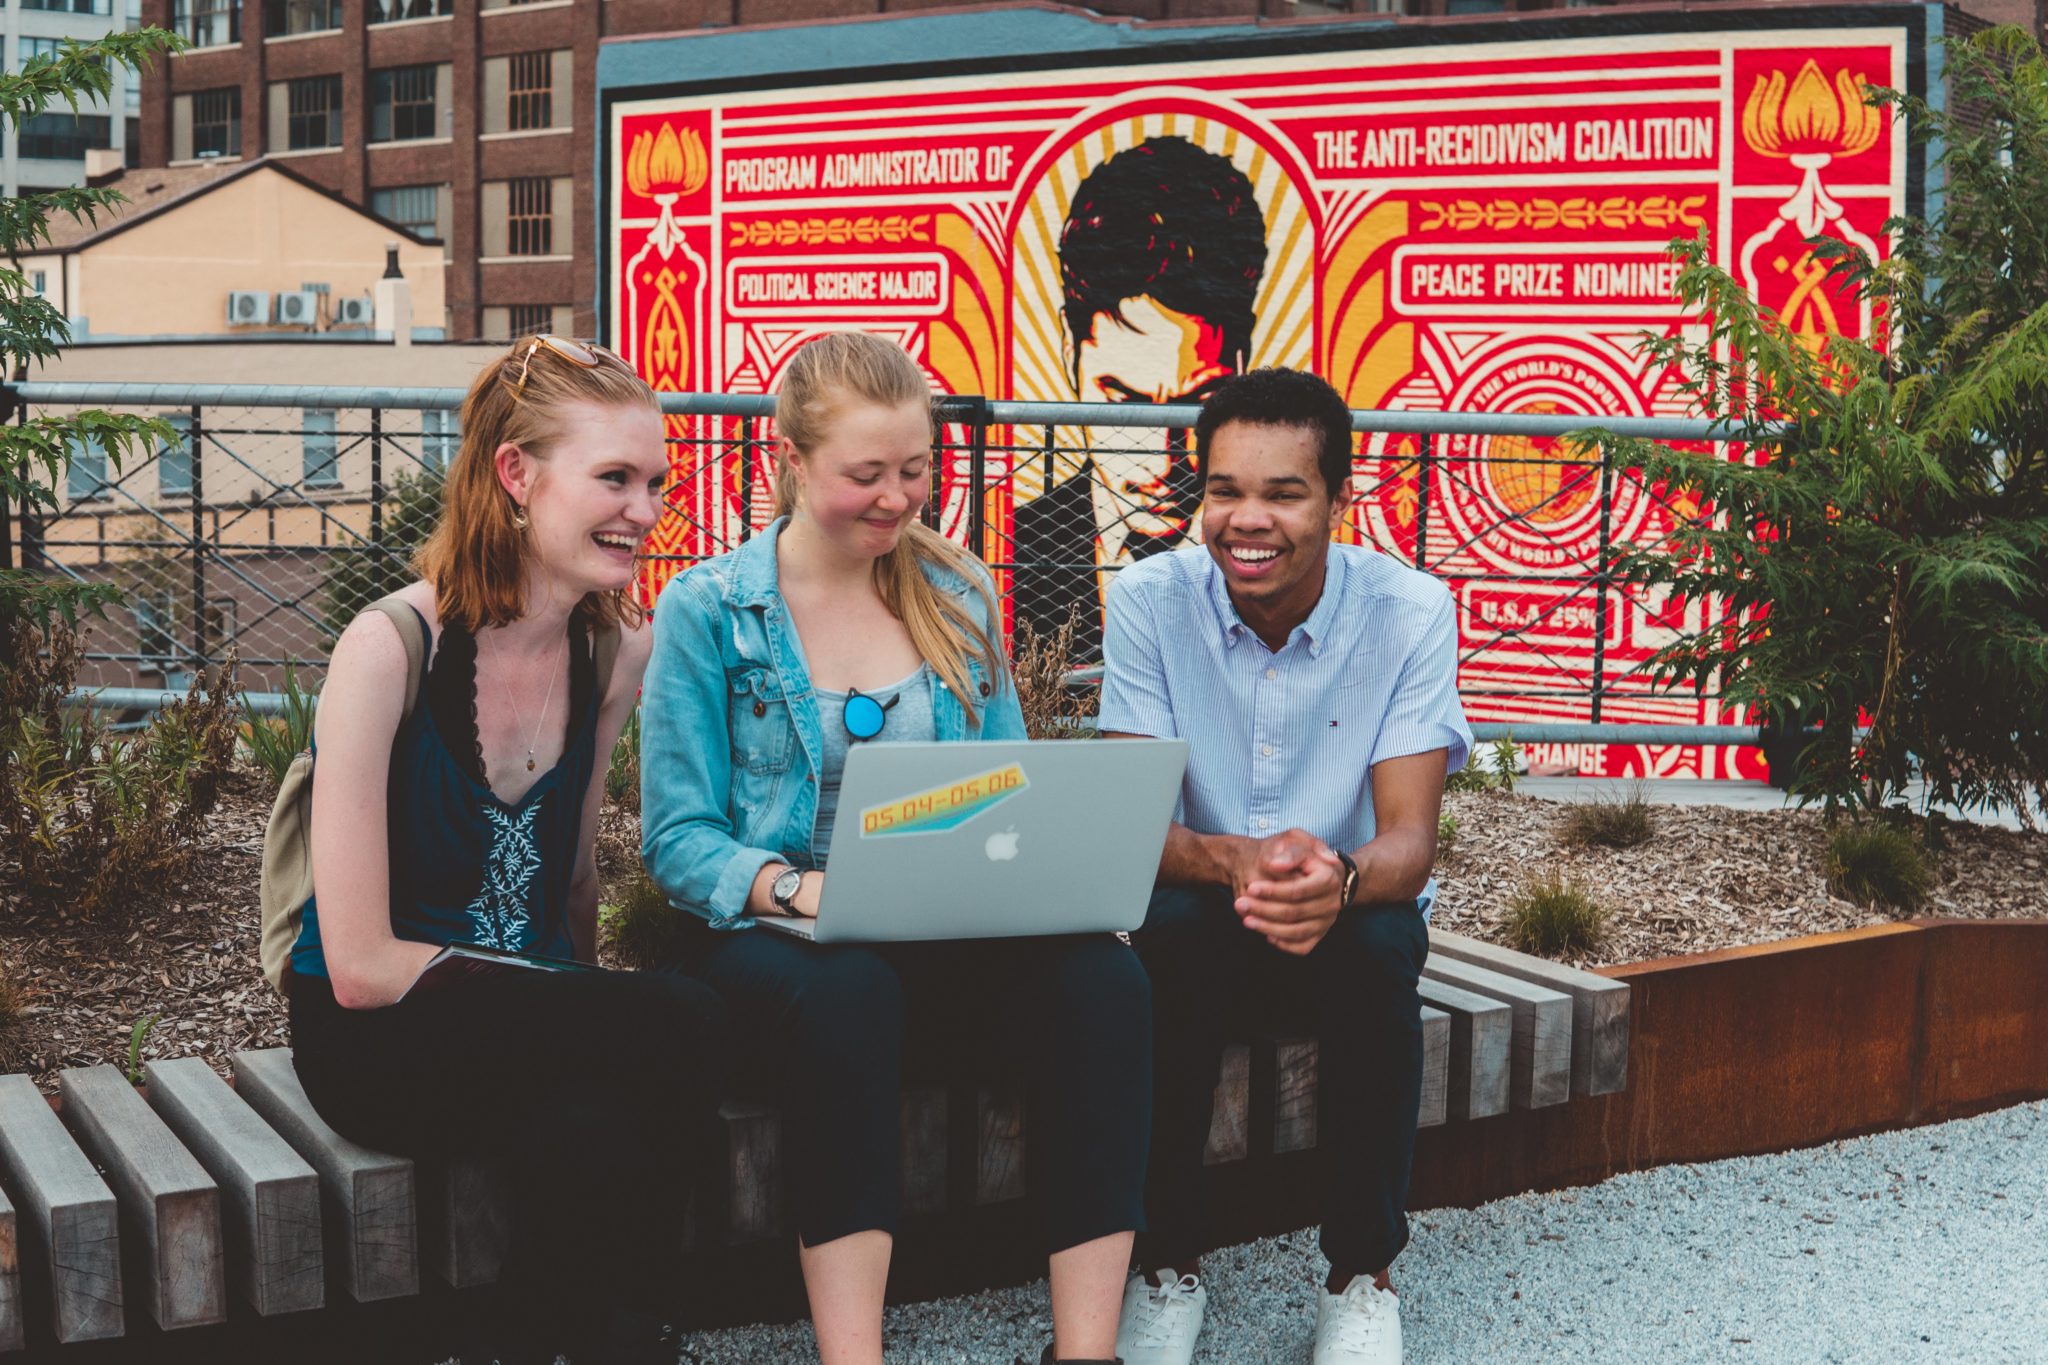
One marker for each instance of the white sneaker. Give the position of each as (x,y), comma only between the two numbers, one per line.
(1361,1326)
(1161,1321)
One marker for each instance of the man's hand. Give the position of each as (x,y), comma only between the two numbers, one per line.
(1289,889)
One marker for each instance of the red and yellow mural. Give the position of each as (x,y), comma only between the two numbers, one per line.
(1470,228)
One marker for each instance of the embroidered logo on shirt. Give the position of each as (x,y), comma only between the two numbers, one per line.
(500,916)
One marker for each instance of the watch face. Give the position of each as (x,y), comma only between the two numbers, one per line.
(785,886)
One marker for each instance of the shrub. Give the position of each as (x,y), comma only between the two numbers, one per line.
(622,775)
(96,821)
(1551,915)
(274,741)
(13,1019)
(1879,866)
(1054,706)
(1623,821)
(1446,833)
(641,928)
(1489,768)
(1878,557)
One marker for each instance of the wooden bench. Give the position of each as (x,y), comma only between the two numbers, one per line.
(141,1215)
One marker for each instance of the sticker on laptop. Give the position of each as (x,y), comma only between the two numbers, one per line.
(945,807)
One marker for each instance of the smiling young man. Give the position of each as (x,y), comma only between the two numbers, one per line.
(1316,685)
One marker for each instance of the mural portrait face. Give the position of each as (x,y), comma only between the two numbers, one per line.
(1160,258)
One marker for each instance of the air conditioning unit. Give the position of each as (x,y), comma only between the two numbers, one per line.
(248,307)
(300,308)
(359,311)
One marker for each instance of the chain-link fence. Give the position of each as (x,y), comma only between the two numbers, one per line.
(277,513)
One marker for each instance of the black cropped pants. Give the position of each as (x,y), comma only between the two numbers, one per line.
(822,1031)
(1213,979)
(592,1090)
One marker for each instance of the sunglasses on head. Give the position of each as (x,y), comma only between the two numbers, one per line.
(587,354)
(863,716)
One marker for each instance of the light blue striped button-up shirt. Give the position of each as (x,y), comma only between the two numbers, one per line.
(1281,739)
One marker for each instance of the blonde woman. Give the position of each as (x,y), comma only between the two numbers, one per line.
(472,818)
(848,621)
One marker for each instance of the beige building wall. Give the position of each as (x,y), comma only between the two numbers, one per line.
(171,275)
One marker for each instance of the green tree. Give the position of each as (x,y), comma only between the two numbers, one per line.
(1884,561)
(35,455)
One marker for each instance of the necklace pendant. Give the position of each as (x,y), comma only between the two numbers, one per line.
(529,763)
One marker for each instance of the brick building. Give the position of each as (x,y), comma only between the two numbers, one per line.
(472,121)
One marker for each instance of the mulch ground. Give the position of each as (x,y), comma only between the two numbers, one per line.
(1710,878)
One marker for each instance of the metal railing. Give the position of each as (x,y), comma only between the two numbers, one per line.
(281,510)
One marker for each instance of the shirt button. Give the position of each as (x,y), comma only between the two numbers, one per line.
(1266,749)
(1272,672)
(1263,822)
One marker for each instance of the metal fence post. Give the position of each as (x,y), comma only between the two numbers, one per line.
(377,476)
(1423,466)
(746,479)
(1600,579)
(198,440)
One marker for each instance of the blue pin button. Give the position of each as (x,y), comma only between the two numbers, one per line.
(863,716)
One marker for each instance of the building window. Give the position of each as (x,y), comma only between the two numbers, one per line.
(217,122)
(65,137)
(530,222)
(528,318)
(86,480)
(174,459)
(36,281)
(71,6)
(416,208)
(284,17)
(390,11)
(530,92)
(27,50)
(402,103)
(440,436)
(313,107)
(321,450)
(208,23)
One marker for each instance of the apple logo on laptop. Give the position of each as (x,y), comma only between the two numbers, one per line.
(1001,847)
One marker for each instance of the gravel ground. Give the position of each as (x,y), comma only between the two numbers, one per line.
(1925,1244)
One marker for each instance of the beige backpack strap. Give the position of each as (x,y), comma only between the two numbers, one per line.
(414,633)
(604,648)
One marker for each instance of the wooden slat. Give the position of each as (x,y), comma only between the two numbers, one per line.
(1482,1038)
(73,1228)
(923,1169)
(999,1146)
(1541,1073)
(1599,1007)
(270,1197)
(1230,1112)
(369,1208)
(12,1333)
(1436,1067)
(753,1155)
(466,1222)
(170,1206)
(1294,1094)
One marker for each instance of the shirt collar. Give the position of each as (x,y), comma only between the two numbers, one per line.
(1316,630)
(754,582)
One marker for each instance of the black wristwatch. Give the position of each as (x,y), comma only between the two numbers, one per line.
(1350,879)
(784,888)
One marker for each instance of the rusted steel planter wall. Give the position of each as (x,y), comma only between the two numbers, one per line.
(1784,1045)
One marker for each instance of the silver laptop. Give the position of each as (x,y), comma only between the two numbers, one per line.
(994,840)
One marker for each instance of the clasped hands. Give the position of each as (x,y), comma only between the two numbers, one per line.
(1287,887)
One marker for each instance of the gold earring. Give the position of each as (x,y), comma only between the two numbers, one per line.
(519,519)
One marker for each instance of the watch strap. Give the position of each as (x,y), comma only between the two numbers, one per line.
(1350,879)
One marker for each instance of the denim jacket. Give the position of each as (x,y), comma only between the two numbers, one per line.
(729,730)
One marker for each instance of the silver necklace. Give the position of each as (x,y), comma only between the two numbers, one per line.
(554,672)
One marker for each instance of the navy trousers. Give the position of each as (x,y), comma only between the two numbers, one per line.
(1213,979)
